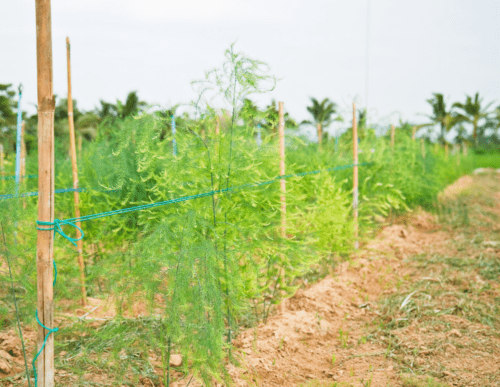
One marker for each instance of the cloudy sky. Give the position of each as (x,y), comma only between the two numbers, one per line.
(316,47)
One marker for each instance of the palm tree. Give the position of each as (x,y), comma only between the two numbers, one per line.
(440,115)
(322,113)
(472,112)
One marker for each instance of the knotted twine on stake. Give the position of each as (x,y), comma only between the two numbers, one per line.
(56,226)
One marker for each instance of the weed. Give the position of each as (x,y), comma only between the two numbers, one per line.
(343,337)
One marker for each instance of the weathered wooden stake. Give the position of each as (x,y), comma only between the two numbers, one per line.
(281,134)
(45,238)
(72,147)
(393,130)
(355,192)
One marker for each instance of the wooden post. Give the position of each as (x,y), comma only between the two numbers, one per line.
(446,151)
(72,147)
(45,238)
(422,144)
(393,130)
(413,133)
(281,135)
(355,192)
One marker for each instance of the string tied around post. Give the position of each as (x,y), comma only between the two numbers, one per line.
(51,330)
(56,226)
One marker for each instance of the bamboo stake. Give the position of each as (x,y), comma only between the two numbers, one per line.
(45,238)
(355,175)
(281,134)
(393,130)
(74,167)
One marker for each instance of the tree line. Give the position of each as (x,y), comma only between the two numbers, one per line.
(483,120)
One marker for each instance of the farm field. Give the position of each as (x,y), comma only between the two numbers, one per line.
(196,245)
(407,309)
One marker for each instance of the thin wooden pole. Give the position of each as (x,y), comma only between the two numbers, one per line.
(413,133)
(72,147)
(393,133)
(446,151)
(281,134)
(45,237)
(422,144)
(355,192)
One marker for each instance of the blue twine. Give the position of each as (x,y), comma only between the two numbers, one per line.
(56,226)
(51,330)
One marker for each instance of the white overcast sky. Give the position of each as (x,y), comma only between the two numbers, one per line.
(316,47)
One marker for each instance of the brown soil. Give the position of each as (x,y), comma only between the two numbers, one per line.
(329,333)
(355,327)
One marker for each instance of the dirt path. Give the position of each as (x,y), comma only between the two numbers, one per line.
(418,306)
